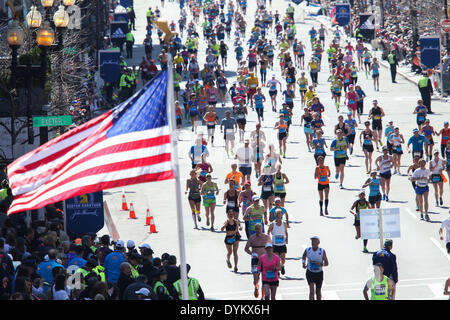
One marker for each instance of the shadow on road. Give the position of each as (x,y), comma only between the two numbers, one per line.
(290,278)
(338,218)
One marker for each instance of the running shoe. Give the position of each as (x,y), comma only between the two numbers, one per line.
(336,175)
(365,250)
(212,227)
(427,217)
(356,237)
(421,216)
(282,270)
(341,187)
(387,199)
(256,293)
(437,203)
(321,213)
(235,269)
(417,208)
(207,221)
(351,150)
(384,197)
(440,200)
(326,212)
(229,264)
(198,217)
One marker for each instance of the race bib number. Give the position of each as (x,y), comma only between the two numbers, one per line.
(346,80)
(231,204)
(267,188)
(376,117)
(421,118)
(231,240)
(279,187)
(314,265)
(210,196)
(229,132)
(211,123)
(270,274)
(241,116)
(323,178)
(351,101)
(436,178)
(279,240)
(341,152)
(253,86)
(380,289)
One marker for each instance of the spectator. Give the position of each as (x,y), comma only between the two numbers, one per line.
(113,262)
(45,268)
(125,278)
(141,282)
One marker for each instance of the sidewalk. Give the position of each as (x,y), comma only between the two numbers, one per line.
(402,69)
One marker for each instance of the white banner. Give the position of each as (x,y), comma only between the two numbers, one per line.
(370,227)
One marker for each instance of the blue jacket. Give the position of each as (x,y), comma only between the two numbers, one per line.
(389,262)
(44,269)
(112,266)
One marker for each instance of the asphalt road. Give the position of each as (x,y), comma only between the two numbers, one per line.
(422,261)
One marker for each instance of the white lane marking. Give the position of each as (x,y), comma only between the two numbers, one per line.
(330,295)
(437,289)
(440,247)
(411,214)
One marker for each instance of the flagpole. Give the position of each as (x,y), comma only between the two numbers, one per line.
(176,170)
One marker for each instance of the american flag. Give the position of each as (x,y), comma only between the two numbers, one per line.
(127,145)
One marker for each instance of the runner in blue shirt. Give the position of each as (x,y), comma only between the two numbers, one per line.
(417,141)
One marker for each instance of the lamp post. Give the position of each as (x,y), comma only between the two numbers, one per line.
(14,36)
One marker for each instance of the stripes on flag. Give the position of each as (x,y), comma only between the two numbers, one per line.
(127,145)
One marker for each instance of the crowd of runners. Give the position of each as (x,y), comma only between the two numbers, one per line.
(254,191)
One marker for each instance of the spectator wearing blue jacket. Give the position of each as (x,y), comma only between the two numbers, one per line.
(77,260)
(45,268)
(388,260)
(113,261)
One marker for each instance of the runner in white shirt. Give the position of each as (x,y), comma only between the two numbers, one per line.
(244,156)
(272,84)
(422,176)
(445,228)
(279,232)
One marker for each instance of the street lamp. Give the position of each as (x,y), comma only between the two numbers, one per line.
(34,18)
(61,17)
(14,34)
(45,36)
(47,3)
(69,3)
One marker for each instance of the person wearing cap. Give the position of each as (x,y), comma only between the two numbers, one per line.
(230,126)
(279,232)
(143,294)
(384,165)
(272,85)
(421,113)
(255,247)
(445,134)
(313,259)
(437,166)
(376,114)
(381,287)
(340,146)
(131,247)
(415,165)
(209,199)
(426,90)
(255,214)
(422,177)
(269,265)
(197,151)
(418,141)
(389,262)
(360,204)
(113,261)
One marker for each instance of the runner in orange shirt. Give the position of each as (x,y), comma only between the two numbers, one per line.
(235,175)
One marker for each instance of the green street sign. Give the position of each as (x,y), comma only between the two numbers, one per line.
(53,121)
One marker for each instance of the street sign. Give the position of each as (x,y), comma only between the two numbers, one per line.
(52,121)
(445,25)
(370,225)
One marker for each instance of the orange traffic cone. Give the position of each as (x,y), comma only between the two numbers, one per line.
(132,213)
(147,218)
(152,225)
(124,203)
